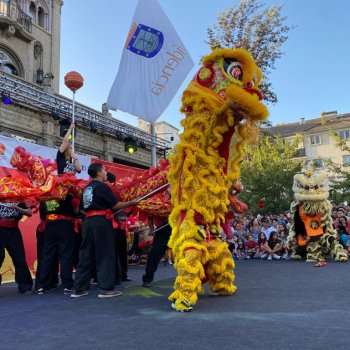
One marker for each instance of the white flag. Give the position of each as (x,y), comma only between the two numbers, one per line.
(154,64)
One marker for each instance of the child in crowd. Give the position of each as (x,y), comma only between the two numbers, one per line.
(240,250)
(240,231)
(262,241)
(273,247)
(233,244)
(251,247)
(283,236)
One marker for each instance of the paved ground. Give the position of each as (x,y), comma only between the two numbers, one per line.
(280,305)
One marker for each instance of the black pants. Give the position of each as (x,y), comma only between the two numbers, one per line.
(11,240)
(59,240)
(40,240)
(98,247)
(2,258)
(157,252)
(77,243)
(122,253)
(135,245)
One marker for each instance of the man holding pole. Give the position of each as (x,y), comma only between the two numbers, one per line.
(99,239)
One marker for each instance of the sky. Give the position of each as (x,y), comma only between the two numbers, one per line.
(310,78)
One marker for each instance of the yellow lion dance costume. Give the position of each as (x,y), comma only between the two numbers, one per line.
(311,234)
(221,99)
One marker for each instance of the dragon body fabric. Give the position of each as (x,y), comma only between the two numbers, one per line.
(222,107)
(311,233)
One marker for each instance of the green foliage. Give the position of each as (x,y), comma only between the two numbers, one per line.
(259,30)
(267,172)
(340,180)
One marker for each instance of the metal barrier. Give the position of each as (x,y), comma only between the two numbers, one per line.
(27,94)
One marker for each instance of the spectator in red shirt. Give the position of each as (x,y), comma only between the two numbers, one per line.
(251,247)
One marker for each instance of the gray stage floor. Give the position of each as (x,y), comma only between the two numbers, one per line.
(279,305)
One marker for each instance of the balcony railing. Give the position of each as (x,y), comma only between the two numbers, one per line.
(11,10)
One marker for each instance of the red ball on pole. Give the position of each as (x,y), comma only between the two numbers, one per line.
(73,81)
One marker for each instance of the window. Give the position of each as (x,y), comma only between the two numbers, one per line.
(346,160)
(318,163)
(32,11)
(9,63)
(9,68)
(41,17)
(315,139)
(344,134)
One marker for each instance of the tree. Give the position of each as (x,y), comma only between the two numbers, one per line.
(267,172)
(259,30)
(340,180)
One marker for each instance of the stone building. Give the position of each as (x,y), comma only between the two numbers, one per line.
(317,144)
(163,130)
(29,75)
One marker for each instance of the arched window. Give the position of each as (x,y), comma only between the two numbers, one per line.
(32,11)
(9,63)
(10,68)
(41,17)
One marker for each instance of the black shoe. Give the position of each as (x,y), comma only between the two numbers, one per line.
(25,292)
(146,284)
(126,279)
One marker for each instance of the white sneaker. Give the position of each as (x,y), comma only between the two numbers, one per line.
(110,293)
(270,257)
(264,256)
(276,257)
(170,262)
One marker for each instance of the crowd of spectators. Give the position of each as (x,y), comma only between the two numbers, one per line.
(265,237)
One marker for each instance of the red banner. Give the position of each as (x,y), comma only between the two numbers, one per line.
(28,225)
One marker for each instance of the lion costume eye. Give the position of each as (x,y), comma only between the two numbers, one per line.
(233,68)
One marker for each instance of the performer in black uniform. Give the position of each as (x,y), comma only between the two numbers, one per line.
(99,240)
(40,240)
(159,247)
(11,240)
(67,162)
(59,238)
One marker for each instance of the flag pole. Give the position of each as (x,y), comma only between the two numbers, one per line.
(73,120)
(154,146)
(74,81)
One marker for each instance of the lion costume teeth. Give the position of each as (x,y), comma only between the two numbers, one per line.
(222,107)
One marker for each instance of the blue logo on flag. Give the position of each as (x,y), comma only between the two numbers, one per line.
(145,41)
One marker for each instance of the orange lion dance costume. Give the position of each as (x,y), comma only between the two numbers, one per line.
(222,107)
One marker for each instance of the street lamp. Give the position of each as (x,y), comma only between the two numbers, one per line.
(39,76)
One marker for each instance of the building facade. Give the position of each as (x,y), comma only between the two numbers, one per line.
(29,75)
(316,141)
(30,40)
(163,130)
